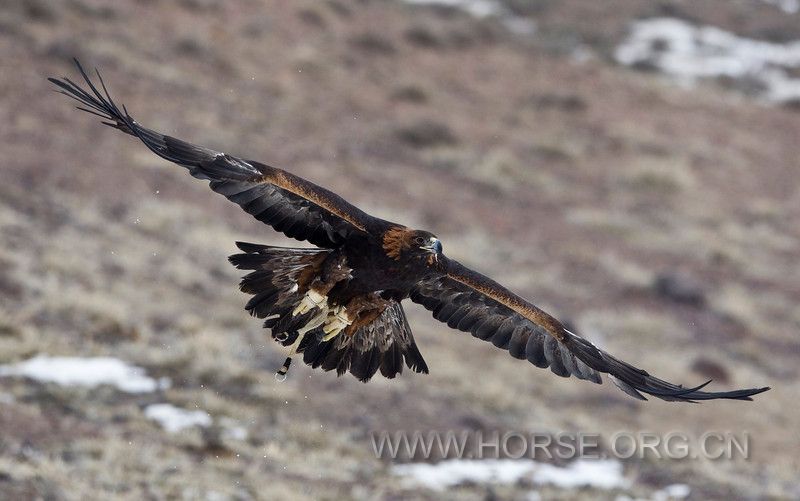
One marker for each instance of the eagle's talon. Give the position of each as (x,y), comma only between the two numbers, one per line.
(335,323)
(310,301)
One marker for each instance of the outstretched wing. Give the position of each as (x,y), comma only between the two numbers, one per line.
(386,344)
(288,203)
(471,302)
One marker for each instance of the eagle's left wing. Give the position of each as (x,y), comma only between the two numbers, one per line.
(471,302)
(290,204)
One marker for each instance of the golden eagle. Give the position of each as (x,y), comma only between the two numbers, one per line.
(339,304)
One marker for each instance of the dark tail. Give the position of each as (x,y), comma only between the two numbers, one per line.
(278,281)
(386,344)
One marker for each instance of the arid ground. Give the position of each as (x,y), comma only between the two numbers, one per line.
(660,219)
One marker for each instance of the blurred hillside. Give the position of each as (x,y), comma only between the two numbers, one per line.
(656,213)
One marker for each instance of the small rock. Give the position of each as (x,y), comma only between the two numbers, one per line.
(374,43)
(423,37)
(679,288)
(426,133)
(312,17)
(710,369)
(562,102)
(410,94)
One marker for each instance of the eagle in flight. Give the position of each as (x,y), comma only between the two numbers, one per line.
(339,304)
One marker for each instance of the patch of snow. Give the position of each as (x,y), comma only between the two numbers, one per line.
(88,372)
(688,53)
(233,430)
(788,6)
(486,8)
(174,419)
(452,472)
(673,491)
(602,474)
(477,8)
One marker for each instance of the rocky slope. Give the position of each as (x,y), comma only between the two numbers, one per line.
(660,219)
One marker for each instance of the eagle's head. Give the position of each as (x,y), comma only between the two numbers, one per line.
(412,244)
(425,246)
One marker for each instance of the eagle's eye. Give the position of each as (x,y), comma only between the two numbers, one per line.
(419,240)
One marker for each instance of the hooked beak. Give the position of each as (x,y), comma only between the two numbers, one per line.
(435,246)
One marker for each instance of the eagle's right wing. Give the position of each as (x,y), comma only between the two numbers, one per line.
(298,208)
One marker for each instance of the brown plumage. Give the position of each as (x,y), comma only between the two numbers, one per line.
(395,241)
(339,304)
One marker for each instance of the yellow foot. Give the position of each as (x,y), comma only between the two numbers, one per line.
(336,322)
(311,300)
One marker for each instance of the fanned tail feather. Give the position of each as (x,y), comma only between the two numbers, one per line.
(276,284)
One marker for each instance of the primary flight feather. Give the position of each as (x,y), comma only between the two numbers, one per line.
(338,305)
